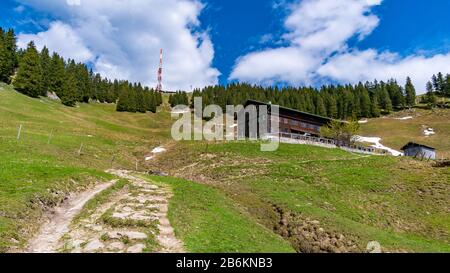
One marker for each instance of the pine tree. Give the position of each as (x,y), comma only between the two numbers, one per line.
(122,103)
(321,110)
(396,94)
(365,103)
(430,97)
(332,107)
(434,81)
(440,84)
(152,102)
(11,48)
(447,85)
(375,108)
(132,100)
(430,87)
(29,75)
(140,101)
(57,75)
(410,93)
(4,75)
(385,100)
(8,55)
(84,83)
(69,94)
(46,64)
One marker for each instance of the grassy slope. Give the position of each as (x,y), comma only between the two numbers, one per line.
(400,202)
(396,133)
(207,221)
(35,174)
(33,171)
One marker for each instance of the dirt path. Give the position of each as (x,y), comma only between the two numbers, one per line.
(132,219)
(59,219)
(158,198)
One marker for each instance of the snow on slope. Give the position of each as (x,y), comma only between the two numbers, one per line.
(376,144)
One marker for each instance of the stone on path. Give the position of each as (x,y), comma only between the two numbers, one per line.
(136,248)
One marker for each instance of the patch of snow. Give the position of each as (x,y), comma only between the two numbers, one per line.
(181,111)
(429,132)
(90,136)
(155,151)
(234,126)
(158,150)
(404,118)
(376,144)
(363,121)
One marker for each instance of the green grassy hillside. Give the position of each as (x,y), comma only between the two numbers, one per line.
(240,199)
(313,196)
(396,133)
(44,165)
(40,168)
(208,222)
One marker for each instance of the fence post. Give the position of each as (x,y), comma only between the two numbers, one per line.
(81,148)
(112,160)
(50,137)
(19,132)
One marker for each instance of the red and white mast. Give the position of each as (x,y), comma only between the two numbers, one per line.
(159,87)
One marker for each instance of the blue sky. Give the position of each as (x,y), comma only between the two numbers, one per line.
(407,27)
(265,42)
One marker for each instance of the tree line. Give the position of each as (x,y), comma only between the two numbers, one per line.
(367,100)
(35,74)
(438,86)
(179,98)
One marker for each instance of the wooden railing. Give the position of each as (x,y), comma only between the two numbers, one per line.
(324,142)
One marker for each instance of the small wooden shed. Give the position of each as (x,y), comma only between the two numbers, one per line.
(419,151)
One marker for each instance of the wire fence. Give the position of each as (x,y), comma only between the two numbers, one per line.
(80,147)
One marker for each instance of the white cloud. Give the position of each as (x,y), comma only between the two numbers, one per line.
(73,2)
(356,66)
(60,38)
(124,38)
(288,64)
(317,34)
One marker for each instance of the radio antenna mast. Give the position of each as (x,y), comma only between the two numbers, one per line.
(159,87)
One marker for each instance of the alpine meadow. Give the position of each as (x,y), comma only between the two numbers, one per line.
(93,93)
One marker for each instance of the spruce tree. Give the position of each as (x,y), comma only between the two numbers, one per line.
(46,64)
(122,103)
(365,103)
(29,75)
(375,108)
(4,75)
(385,100)
(321,110)
(69,94)
(132,100)
(141,99)
(440,84)
(435,82)
(152,102)
(84,83)
(57,75)
(11,48)
(8,55)
(430,97)
(332,107)
(410,93)
(447,85)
